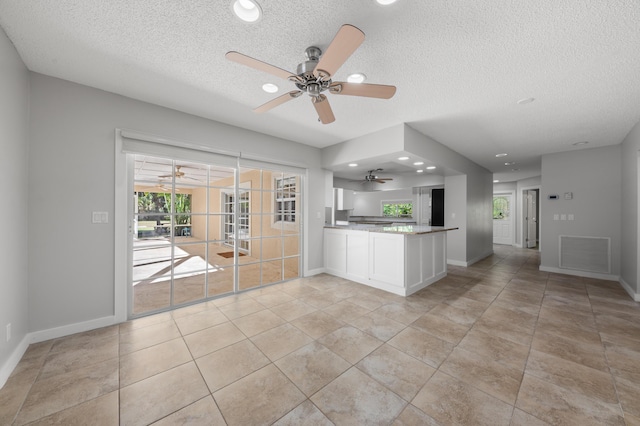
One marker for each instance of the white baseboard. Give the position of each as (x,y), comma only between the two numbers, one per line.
(479,258)
(13,360)
(469,262)
(51,333)
(595,275)
(313,272)
(66,330)
(635,296)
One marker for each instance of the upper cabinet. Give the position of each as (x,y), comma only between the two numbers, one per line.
(343,198)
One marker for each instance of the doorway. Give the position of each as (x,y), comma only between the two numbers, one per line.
(531,226)
(503,218)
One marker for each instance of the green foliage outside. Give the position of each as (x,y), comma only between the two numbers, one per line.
(397,210)
(157,203)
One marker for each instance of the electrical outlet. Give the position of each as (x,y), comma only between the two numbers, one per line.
(8,332)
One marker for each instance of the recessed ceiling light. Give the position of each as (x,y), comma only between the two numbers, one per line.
(247,10)
(419,171)
(526,101)
(270,88)
(356,78)
(496,181)
(353,164)
(385,2)
(403,158)
(504,154)
(579,143)
(511,163)
(418,163)
(431,168)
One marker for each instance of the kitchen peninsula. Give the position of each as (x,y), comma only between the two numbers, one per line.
(400,259)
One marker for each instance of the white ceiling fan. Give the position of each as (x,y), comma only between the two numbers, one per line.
(314,75)
(178,174)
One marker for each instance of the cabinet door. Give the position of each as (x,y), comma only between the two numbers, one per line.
(335,251)
(386,261)
(343,199)
(358,254)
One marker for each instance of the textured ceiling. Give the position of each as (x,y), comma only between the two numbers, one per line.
(460,67)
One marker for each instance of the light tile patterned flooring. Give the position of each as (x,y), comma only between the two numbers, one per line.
(497,343)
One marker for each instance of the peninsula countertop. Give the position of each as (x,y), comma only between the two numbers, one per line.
(393,229)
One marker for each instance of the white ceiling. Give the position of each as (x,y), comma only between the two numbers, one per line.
(460,66)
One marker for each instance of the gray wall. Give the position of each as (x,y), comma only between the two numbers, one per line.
(629,268)
(71,261)
(594,178)
(370,203)
(455,215)
(479,215)
(14,112)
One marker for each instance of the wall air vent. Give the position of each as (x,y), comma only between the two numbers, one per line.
(589,254)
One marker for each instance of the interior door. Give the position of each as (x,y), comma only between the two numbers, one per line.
(502,219)
(532,219)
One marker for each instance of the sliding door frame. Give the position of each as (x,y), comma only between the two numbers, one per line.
(124,203)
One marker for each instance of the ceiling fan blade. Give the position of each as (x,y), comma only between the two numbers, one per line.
(346,41)
(325,114)
(259,65)
(277,101)
(379,180)
(381,91)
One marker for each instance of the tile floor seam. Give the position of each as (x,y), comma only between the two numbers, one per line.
(524,369)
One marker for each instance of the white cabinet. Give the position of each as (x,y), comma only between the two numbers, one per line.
(398,263)
(387,258)
(343,199)
(346,253)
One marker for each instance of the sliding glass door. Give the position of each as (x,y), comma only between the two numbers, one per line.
(204,230)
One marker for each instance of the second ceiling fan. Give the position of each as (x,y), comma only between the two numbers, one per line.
(314,75)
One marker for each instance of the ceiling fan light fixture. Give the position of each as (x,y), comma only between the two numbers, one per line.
(270,88)
(356,78)
(247,10)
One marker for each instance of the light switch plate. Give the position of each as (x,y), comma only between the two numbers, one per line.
(100,217)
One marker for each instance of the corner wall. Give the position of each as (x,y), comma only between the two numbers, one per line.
(468,193)
(630,163)
(14,145)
